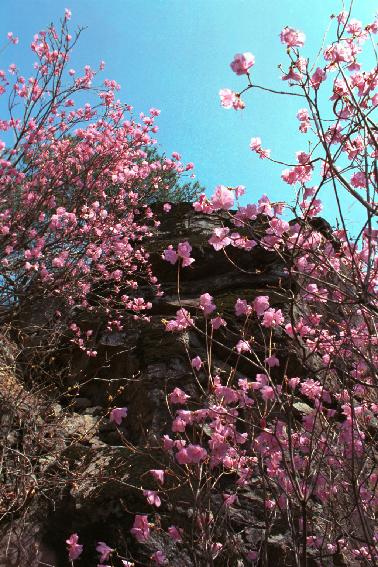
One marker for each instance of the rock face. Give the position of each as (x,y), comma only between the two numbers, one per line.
(91,483)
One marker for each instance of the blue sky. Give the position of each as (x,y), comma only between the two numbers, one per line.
(175,55)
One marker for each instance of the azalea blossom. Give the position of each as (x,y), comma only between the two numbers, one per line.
(292,37)
(243,346)
(229,499)
(206,304)
(218,322)
(152,497)
(117,415)
(74,548)
(272,361)
(193,454)
(272,318)
(175,533)
(318,77)
(140,529)
(182,321)
(178,396)
(260,304)
(183,251)
(12,38)
(104,551)
(222,198)
(255,146)
(159,558)
(229,99)
(359,180)
(242,63)
(196,363)
(220,238)
(242,308)
(158,475)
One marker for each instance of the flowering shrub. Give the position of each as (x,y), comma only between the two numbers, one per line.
(305,443)
(75,189)
(291,416)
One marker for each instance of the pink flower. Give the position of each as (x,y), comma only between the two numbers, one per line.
(182,321)
(292,75)
(242,308)
(117,415)
(206,304)
(12,38)
(354,27)
(73,547)
(158,475)
(303,114)
(358,180)
(175,533)
(170,255)
(242,62)
(140,529)
(104,551)
(239,104)
(292,37)
(222,198)
(293,382)
(239,190)
(261,304)
(193,454)
(67,14)
(220,239)
(255,146)
(183,250)
(304,119)
(216,548)
(203,205)
(261,380)
(311,388)
(178,396)
(229,499)
(318,77)
(159,558)
(272,361)
(267,393)
(243,346)
(338,53)
(229,99)
(218,322)
(290,176)
(167,207)
(168,443)
(196,363)
(152,497)
(272,318)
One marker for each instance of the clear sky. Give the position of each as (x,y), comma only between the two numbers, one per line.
(175,55)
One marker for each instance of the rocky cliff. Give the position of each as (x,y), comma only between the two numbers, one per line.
(84,473)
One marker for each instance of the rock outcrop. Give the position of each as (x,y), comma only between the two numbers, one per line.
(90,482)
